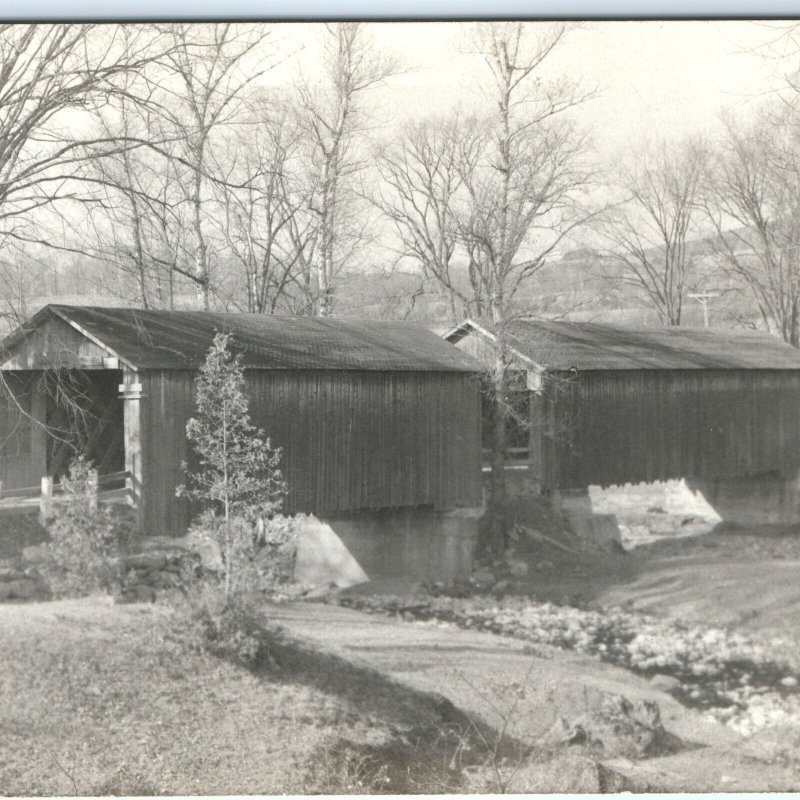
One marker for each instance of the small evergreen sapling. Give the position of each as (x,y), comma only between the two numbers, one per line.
(239,474)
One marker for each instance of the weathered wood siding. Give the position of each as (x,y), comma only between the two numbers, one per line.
(22,443)
(351,440)
(55,344)
(614,427)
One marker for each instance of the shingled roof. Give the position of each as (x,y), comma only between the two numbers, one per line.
(150,339)
(595,346)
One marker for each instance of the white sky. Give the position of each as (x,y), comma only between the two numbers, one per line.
(655,78)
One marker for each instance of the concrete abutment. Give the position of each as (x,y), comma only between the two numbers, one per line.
(410,545)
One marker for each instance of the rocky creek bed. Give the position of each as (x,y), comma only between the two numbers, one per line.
(731,677)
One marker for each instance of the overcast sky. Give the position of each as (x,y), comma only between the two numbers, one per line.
(654,78)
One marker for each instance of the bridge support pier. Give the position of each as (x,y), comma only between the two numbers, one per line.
(769,498)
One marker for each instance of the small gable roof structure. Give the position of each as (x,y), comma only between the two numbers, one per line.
(559,346)
(156,339)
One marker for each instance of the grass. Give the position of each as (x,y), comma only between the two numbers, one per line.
(98,701)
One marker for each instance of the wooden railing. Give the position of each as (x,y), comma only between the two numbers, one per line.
(516,458)
(113,487)
(512,453)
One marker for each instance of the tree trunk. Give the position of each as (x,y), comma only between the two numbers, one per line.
(498,499)
(201,254)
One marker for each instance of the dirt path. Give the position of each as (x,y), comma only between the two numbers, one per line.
(474,670)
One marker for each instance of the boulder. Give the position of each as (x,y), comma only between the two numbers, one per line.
(612,725)
(483,576)
(146,561)
(165,544)
(35,554)
(518,568)
(665,683)
(210,555)
(22,585)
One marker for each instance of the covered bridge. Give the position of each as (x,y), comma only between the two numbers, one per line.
(374,418)
(609,406)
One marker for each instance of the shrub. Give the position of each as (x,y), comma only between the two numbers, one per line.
(85,537)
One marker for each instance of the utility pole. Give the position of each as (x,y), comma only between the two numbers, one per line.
(704,298)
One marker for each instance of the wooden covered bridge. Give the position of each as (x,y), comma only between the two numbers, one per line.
(610,406)
(377,420)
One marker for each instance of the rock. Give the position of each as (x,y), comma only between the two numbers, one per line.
(518,568)
(146,561)
(21,589)
(501,587)
(612,781)
(665,683)
(169,580)
(210,555)
(143,594)
(789,681)
(613,725)
(483,577)
(26,589)
(22,585)
(35,554)
(166,544)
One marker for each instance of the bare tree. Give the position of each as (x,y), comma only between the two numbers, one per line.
(20,282)
(752,199)
(650,230)
(421,178)
(137,222)
(334,115)
(50,76)
(524,180)
(481,203)
(262,219)
(210,68)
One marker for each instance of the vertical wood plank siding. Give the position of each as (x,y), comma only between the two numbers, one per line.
(615,427)
(351,440)
(22,443)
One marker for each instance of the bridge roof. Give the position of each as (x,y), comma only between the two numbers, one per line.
(154,339)
(561,345)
